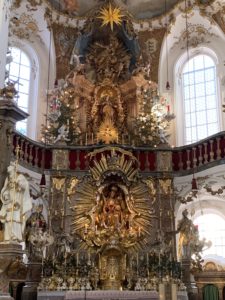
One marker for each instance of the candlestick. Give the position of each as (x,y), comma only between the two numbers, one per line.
(92,138)
(137,263)
(89,256)
(99,258)
(77,260)
(86,139)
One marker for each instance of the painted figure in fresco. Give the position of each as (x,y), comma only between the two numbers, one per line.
(16,204)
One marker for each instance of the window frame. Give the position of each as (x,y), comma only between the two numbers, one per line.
(179,91)
(34,84)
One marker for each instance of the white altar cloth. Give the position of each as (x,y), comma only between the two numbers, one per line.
(103,295)
(112,295)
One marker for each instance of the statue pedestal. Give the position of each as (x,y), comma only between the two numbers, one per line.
(32,281)
(188,279)
(9,253)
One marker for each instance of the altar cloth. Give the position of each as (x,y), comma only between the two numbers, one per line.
(104,295)
(112,295)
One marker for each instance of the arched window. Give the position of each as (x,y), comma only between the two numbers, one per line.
(200,98)
(215,232)
(20,72)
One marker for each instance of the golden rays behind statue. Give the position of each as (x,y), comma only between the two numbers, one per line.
(107,133)
(112,209)
(110,15)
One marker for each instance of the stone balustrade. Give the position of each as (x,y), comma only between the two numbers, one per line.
(184,160)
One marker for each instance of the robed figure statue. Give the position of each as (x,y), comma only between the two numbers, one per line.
(16,203)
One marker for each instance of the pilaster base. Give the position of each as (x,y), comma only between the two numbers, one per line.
(10,262)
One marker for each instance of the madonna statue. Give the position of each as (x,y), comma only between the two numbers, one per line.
(16,203)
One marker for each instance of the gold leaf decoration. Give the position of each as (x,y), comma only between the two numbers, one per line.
(110,15)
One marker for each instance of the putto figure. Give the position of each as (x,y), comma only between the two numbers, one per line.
(16,203)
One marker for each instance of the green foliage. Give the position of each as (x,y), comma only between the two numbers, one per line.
(61,112)
(153,119)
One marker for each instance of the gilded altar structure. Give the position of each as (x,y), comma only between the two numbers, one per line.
(102,218)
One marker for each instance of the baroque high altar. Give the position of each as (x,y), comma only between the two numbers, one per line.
(100,222)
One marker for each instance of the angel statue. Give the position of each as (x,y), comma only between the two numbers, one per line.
(63,133)
(16,204)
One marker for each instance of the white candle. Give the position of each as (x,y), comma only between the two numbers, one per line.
(162,291)
(174,291)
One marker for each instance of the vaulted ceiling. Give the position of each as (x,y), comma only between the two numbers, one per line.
(138,8)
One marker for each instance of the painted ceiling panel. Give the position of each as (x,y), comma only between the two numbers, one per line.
(138,8)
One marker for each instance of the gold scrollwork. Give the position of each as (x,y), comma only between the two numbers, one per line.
(58,183)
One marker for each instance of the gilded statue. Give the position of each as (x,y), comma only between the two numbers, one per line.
(107,112)
(112,211)
(9,91)
(16,204)
(109,60)
(112,216)
(188,236)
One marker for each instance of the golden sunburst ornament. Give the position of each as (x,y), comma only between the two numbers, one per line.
(110,15)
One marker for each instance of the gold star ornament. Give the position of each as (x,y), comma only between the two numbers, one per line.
(110,15)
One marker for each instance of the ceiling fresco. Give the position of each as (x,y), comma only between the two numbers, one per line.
(140,9)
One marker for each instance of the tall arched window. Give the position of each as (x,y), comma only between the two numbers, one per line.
(20,72)
(200,98)
(215,232)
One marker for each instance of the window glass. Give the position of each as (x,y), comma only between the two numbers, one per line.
(200,98)
(20,71)
(215,233)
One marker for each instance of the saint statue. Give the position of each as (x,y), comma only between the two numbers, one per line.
(16,204)
(187,237)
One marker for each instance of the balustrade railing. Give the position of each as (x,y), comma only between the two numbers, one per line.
(203,154)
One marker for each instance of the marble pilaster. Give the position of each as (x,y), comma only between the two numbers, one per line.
(9,115)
